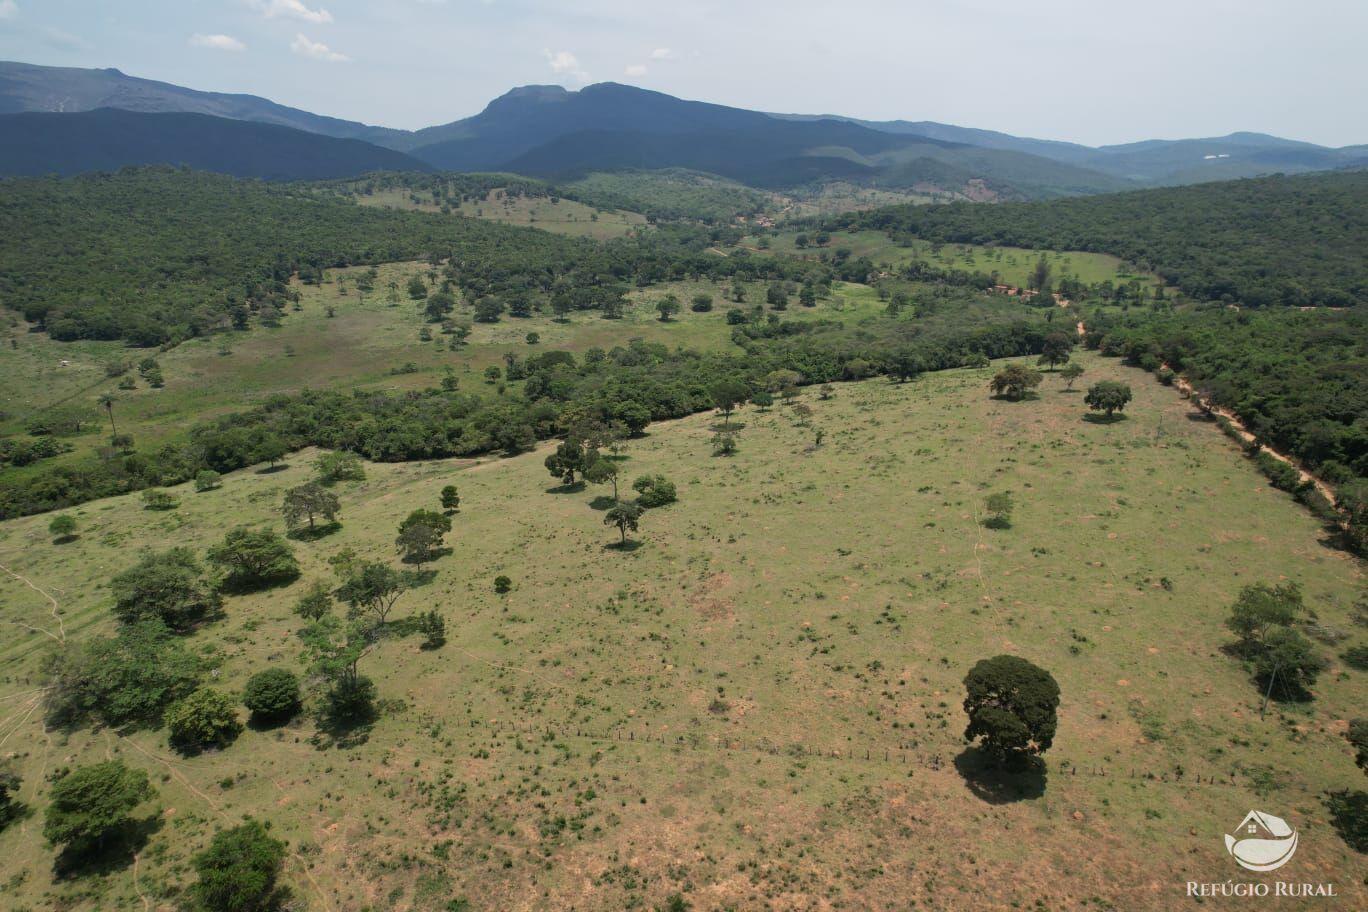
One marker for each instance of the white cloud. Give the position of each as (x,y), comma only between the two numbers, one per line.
(217,42)
(291,9)
(635,69)
(566,64)
(9,9)
(662,54)
(316,50)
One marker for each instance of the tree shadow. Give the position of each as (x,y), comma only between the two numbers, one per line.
(997,522)
(628,546)
(723,428)
(115,855)
(602,502)
(416,578)
(572,488)
(307,534)
(65,539)
(1094,418)
(272,469)
(235,584)
(1008,397)
(996,784)
(401,627)
(259,723)
(344,730)
(427,558)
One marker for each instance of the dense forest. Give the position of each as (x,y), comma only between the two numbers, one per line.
(153,256)
(1298,241)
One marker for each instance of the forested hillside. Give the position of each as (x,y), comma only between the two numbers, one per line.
(1300,241)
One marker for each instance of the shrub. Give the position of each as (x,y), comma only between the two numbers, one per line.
(502,584)
(206,718)
(655,491)
(272,695)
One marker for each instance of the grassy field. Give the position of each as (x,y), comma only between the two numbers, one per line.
(759,706)
(562,216)
(1014,264)
(379,332)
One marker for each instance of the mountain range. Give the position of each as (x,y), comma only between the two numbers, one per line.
(68,120)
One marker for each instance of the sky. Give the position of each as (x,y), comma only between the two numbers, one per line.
(1091,71)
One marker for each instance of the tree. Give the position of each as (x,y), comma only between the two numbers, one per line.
(239,869)
(307,502)
(9,791)
(603,471)
(272,695)
(157,499)
(1071,372)
(91,803)
(727,395)
(421,534)
(315,602)
(108,402)
(570,457)
(62,528)
(1012,705)
(433,627)
(372,588)
(416,289)
(1000,507)
(905,364)
(655,491)
(127,678)
(724,444)
(1014,380)
(1108,396)
(776,296)
(488,310)
(1056,350)
(1358,739)
(205,718)
(270,450)
(451,499)
(169,586)
(626,516)
(667,307)
(701,303)
(339,466)
(502,585)
(254,558)
(207,480)
(336,651)
(1260,608)
(1288,662)
(1040,275)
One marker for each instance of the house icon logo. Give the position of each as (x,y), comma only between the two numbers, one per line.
(1262,842)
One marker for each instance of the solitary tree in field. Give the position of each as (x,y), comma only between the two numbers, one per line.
(254,558)
(371,587)
(626,516)
(1056,350)
(667,307)
(569,458)
(205,718)
(272,695)
(62,528)
(308,502)
(168,586)
(1071,372)
(451,499)
(421,534)
(1012,706)
(999,507)
(905,364)
(315,602)
(108,402)
(239,870)
(1108,396)
(727,395)
(1014,380)
(92,803)
(603,471)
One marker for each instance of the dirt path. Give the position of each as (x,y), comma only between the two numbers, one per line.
(1248,436)
(60,636)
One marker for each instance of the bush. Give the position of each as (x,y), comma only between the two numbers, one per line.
(655,491)
(272,695)
(207,480)
(168,586)
(1356,657)
(502,584)
(157,499)
(206,718)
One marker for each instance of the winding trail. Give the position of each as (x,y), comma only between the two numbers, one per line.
(60,636)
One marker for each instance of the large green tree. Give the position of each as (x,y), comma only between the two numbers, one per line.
(169,586)
(272,695)
(1012,706)
(421,534)
(239,869)
(92,803)
(205,718)
(254,558)
(307,502)
(1014,381)
(1108,396)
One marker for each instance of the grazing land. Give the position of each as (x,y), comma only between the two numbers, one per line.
(562,216)
(757,705)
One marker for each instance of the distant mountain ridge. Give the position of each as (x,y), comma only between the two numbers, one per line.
(549,131)
(108,139)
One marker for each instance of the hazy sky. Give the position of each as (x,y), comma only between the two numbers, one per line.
(1091,71)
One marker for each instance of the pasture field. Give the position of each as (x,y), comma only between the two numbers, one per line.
(562,216)
(379,332)
(1014,264)
(758,705)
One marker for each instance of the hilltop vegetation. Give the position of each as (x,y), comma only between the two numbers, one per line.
(1297,241)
